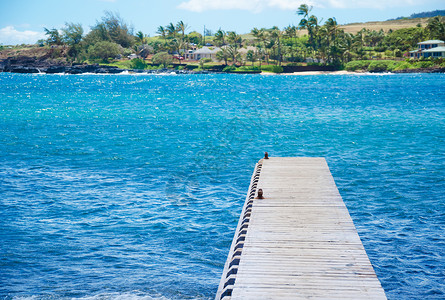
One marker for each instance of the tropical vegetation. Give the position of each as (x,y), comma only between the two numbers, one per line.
(311,41)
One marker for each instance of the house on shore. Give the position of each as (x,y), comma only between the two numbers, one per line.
(204,52)
(430,48)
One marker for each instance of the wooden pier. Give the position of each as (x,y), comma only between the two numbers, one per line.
(298,241)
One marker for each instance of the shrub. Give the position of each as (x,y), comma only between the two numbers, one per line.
(127,52)
(403,65)
(162,58)
(357,65)
(104,50)
(381,65)
(271,68)
(137,63)
(398,53)
(423,64)
(122,64)
(229,69)
(247,69)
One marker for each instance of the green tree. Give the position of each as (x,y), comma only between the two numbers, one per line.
(72,35)
(436,28)
(234,39)
(310,23)
(138,63)
(178,45)
(112,28)
(405,38)
(290,33)
(171,30)
(194,37)
(233,53)
(181,27)
(223,55)
(104,50)
(220,38)
(162,31)
(251,56)
(261,36)
(276,35)
(140,37)
(54,37)
(162,58)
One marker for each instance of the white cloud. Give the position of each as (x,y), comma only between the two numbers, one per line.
(11,36)
(375,4)
(261,5)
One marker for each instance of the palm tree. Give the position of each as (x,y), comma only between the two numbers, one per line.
(171,30)
(181,27)
(162,31)
(233,53)
(276,35)
(178,44)
(251,56)
(140,37)
(436,28)
(262,37)
(223,54)
(331,29)
(256,33)
(313,27)
(234,39)
(290,32)
(304,10)
(220,37)
(259,53)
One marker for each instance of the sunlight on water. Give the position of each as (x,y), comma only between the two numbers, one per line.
(130,187)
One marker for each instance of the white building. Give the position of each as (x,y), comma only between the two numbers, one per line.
(430,48)
(204,52)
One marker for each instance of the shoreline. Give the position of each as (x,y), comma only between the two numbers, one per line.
(104,69)
(342,72)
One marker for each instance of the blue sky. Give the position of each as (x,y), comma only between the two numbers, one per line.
(22,21)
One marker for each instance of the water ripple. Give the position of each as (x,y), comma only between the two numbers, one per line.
(130,187)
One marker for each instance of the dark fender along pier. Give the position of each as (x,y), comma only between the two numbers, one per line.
(295,238)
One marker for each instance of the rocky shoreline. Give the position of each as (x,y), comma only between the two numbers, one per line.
(11,66)
(30,65)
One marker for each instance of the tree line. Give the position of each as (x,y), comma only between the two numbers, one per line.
(312,39)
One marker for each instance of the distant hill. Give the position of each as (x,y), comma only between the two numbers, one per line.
(426,14)
(385,25)
(394,24)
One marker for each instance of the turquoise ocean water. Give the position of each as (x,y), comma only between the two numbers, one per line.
(121,186)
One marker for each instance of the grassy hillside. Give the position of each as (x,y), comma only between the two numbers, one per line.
(385,25)
(356,27)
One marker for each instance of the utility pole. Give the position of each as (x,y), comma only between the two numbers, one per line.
(204,36)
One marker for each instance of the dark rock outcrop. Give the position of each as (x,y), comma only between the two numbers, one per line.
(22,69)
(55,69)
(422,70)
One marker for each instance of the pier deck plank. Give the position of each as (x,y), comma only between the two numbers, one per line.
(301,242)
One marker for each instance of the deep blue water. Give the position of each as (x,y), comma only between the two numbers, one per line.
(131,186)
